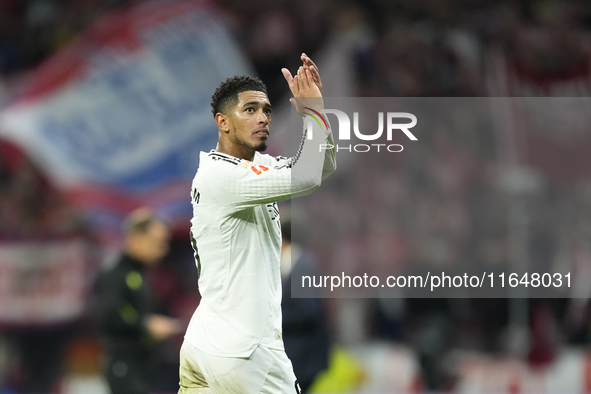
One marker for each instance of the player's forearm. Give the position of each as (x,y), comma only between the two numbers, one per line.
(308,162)
(330,160)
(254,183)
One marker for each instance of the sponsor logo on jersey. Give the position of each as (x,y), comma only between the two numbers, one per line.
(258,169)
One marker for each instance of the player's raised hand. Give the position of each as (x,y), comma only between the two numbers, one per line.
(305,91)
(308,63)
(302,85)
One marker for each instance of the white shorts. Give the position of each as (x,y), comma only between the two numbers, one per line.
(265,371)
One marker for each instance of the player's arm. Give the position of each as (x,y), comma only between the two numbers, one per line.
(245,183)
(330,159)
(250,183)
(330,164)
(302,97)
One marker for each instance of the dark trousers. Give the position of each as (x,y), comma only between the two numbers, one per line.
(127,373)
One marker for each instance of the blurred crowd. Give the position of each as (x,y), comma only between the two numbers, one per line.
(30,207)
(440,206)
(32,30)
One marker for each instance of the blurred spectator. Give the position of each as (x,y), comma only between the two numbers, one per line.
(127,323)
(304,327)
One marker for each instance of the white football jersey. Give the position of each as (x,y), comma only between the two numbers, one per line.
(236,235)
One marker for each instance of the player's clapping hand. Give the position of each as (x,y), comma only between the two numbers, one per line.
(305,86)
(310,65)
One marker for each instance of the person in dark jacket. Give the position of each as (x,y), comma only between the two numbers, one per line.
(304,328)
(126,320)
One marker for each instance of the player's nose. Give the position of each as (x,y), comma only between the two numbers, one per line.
(263,117)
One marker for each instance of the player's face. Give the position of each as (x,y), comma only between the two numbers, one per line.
(250,120)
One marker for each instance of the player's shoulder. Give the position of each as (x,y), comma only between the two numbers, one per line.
(263,158)
(215,165)
(220,168)
(222,158)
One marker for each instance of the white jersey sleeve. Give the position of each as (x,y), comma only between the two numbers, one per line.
(330,160)
(253,183)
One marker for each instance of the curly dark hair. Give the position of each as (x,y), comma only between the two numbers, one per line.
(226,94)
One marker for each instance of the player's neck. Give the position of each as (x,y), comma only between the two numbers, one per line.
(241,152)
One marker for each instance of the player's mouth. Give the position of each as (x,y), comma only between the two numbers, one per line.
(262,133)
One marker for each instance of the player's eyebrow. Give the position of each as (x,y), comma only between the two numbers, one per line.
(255,103)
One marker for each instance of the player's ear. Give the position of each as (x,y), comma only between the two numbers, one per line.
(222,122)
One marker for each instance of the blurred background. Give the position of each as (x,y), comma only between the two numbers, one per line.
(104,106)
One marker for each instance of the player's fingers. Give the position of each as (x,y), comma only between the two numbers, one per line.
(300,78)
(287,75)
(309,62)
(304,79)
(303,76)
(315,74)
(309,80)
(294,85)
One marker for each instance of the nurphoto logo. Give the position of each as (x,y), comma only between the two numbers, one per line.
(392,124)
